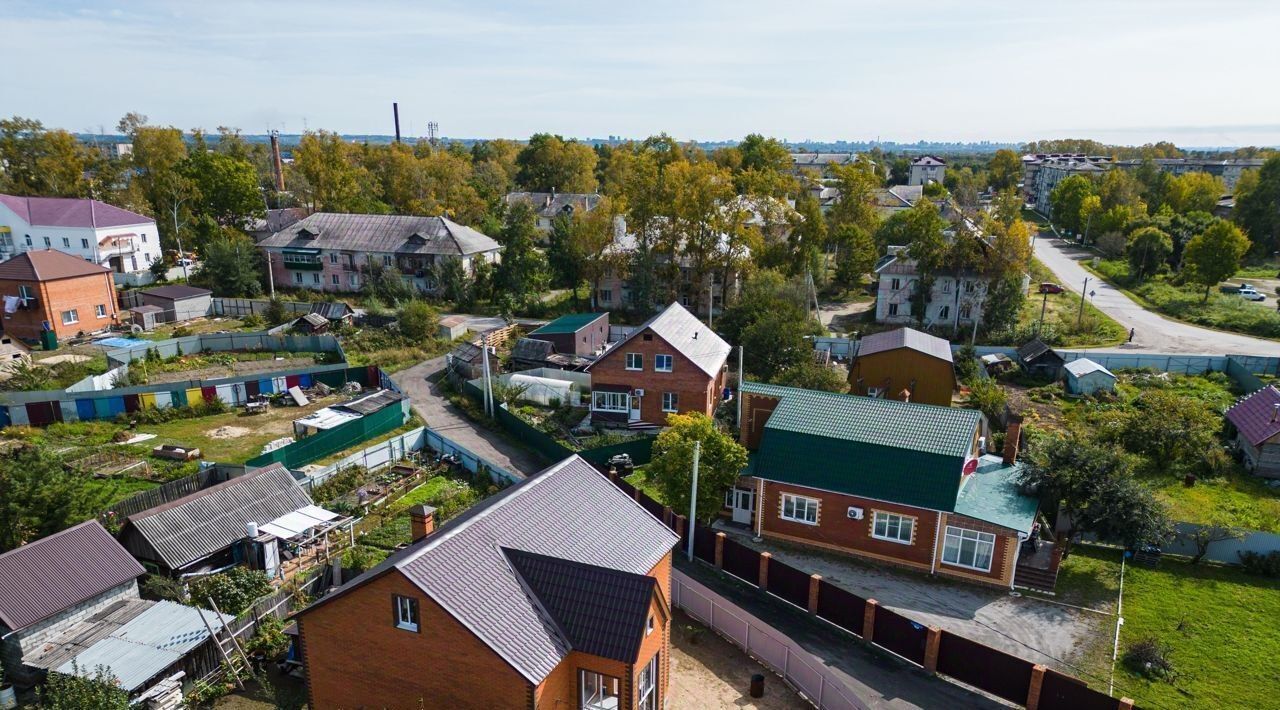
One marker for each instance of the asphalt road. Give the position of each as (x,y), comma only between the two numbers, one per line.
(1152,332)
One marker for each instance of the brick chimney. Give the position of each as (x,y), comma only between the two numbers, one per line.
(1012,438)
(422,521)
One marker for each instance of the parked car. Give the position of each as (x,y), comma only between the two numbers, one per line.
(1050,288)
(1232,288)
(1250,294)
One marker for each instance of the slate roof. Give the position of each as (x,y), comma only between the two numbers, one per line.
(895,451)
(909,338)
(71,212)
(1035,349)
(569,323)
(197,525)
(685,333)
(48,265)
(990,495)
(1084,366)
(42,578)
(928,160)
(1254,416)
(597,610)
(370,403)
(550,204)
(177,292)
(332,310)
(568,511)
(801,160)
(382,233)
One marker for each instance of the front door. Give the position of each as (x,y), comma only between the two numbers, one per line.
(744,502)
(634,415)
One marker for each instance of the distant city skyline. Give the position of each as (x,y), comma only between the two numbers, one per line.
(1194,73)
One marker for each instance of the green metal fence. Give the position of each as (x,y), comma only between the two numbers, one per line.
(317,446)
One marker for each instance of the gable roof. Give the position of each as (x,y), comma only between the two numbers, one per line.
(1084,366)
(690,336)
(569,323)
(597,610)
(48,265)
(908,338)
(177,292)
(551,204)
(1034,349)
(382,233)
(71,212)
(878,448)
(44,577)
(204,522)
(1255,415)
(928,160)
(568,511)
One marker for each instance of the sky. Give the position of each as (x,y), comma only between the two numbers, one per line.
(1121,71)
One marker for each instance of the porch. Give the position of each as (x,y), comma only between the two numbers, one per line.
(1038,566)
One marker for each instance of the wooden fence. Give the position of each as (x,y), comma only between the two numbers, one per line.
(162,494)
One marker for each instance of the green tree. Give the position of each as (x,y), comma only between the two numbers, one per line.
(808,237)
(774,343)
(77,691)
(1147,251)
(810,375)
(385,283)
(230,266)
(1005,169)
(39,496)
(720,462)
(855,254)
(1214,254)
(1066,200)
(920,229)
(228,188)
(325,175)
(1195,192)
(1258,207)
(232,591)
(40,162)
(767,291)
(418,321)
(550,162)
(523,274)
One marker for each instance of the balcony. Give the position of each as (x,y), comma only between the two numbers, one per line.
(303,264)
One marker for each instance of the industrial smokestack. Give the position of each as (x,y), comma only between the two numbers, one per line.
(395,111)
(277,166)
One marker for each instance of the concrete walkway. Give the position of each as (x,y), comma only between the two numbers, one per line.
(1153,332)
(877,678)
(442,416)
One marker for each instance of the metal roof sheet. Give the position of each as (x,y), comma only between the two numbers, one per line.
(131,664)
(382,233)
(177,292)
(78,637)
(688,335)
(909,338)
(992,496)
(71,212)
(1255,415)
(48,265)
(44,577)
(569,323)
(370,403)
(1084,366)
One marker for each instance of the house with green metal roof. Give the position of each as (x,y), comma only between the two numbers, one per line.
(582,334)
(900,482)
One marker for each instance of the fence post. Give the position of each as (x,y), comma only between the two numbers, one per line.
(931,645)
(869,620)
(763,576)
(1033,693)
(680,526)
(815,584)
(666,515)
(1126,704)
(719,550)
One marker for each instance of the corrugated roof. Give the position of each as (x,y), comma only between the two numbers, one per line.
(1255,415)
(992,496)
(1034,349)
(690,336)
(877,448)
(597,610)
(332,310)
(371,403)
(200,524)
(71,212)
(1084,366)
(569,511)
(382,233)
(177,292)
(551,204)
(570,323)
(44,577)
(909,338)
(74,639)
(48,265)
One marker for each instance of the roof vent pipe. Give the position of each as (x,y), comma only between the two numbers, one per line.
(1275,412)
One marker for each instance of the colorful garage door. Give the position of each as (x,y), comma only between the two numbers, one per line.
(84,409)
(194,397)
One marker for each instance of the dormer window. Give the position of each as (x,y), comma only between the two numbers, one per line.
(307,233)
(416,238)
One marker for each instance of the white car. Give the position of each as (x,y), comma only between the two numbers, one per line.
(1250,294)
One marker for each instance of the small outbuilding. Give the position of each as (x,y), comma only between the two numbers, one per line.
(1256,420)
(1037,358)
(996,363)
(334,311)
(1084,376)
(452,327)
(904,364)
(312,323)
(179,302)
(576,333)
(146,317)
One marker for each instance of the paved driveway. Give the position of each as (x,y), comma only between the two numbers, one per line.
(442,416)
(1037,630)
(1153,332)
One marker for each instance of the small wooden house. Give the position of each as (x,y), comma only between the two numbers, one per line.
(904,364)
(1256,420)
(1037,358)
(1086,377)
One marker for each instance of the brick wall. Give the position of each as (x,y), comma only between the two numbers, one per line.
(755,414)
(1002,559)
(697,391)
(82,293)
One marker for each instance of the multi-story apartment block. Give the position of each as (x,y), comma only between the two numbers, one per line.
(927,169)
(122,241)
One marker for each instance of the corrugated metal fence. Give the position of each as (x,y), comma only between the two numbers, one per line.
(226,342)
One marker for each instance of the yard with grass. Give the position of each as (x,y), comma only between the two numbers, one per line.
(1064,324)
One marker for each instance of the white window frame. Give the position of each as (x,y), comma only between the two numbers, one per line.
(354,280)
(657,363)
(638,365)
(953,547)
(335,279)
(606,295)
(597,694)
(892,527)
(84,243)
(670,401)
(333,257)
(797,515)
(315,277)
(47,243)
(893,309)
(406,613)
(608,402)
(25,292)
(648,629)
(647,685)
(100,310)
(75,317)
(297,277)
(895,283)
(944,312)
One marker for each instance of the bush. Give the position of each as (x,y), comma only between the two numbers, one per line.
(989,398)
(967,364)
(233,591)
(155,586)
(418,321)
(361,558)
(252,320)
(339,484)
(1150,658)
(99,691)
(276,312)
(269,641)
(1265,565)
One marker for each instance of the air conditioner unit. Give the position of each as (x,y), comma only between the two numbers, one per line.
(637,393)
(855,513)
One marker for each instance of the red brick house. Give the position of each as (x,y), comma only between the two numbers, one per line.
(892,481)
(551,594)
(673,363)
(68,293)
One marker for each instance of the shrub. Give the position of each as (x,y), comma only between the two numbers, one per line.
(338,484)
(233,591)
(270,640)
(989,398)
(418,321)
(1265,565)
(252,320)
(1150,658)
(967,364)
(72,691)
(155,586)
(276,313)
(360,558)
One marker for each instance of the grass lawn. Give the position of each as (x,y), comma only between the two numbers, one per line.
(118,488)
(1239,499)
(1265,270)
(640,479)
(1062,312)
(1220,625)
(233,437)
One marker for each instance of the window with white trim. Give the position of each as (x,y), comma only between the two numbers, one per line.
(25,292)
(47,242)
(635,361)
(333,257)
(70,317)
(610,401)
(893,309)
(944,313)
(315,278)
(799,509)
(892,527)
(597,691)
(100,311)
(662,363)
(670,401)
(406,609)
(297,277)
(968,548)
(648,629)
(606,295)
(337,281)
(84,243)
(647,685)
(354,280)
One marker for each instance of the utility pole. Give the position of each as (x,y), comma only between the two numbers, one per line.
(693,498)
(1080,313)
(177,235)
(710,302)
(739,420)
(1043,304)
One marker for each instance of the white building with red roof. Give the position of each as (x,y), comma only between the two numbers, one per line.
(95,231)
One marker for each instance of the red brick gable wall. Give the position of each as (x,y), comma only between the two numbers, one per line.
(82,293)
(697,391)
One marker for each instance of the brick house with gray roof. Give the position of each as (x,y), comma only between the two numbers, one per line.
(898,482)
(554,593)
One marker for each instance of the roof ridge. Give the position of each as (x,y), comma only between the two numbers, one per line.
(59,534)
(183,500)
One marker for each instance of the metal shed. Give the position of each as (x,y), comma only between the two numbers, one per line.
(179,303)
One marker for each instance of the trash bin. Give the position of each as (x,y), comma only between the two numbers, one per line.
(49,340)
(757,685)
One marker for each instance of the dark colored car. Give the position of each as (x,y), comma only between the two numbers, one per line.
(1050,288)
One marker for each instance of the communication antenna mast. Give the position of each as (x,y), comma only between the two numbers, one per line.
(433,132)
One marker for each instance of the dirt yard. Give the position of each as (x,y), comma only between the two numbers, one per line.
(238,367)
(709,672)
